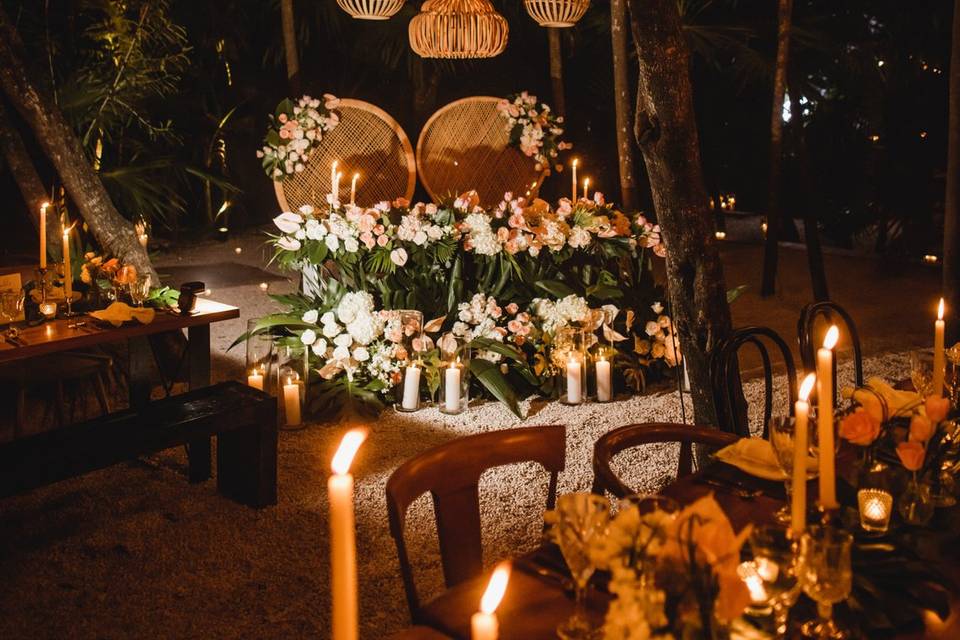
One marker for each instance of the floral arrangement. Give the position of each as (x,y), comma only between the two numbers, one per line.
(506,278)
(533,128)
(104,273)
(295,129)
(672,575)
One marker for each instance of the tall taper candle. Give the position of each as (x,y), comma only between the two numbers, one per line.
(67,268)
(333,176)
(939,355)
(798,508)
(353,188)
(484,624)
(343,544)
(43,234)
(828,478)
(573,183)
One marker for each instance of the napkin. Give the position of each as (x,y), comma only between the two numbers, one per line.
(119,312)
(897,402)
(756,457)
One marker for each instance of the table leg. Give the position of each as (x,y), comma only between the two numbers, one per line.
(198,363)
(140,362)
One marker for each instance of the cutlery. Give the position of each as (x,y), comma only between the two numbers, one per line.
(738,490)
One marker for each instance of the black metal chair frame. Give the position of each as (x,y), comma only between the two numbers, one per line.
(808,350)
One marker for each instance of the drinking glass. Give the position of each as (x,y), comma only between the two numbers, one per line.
(11,304)
(140,290)
(775,555)
(782,431)
(581,519)
(921,371)
(826,576)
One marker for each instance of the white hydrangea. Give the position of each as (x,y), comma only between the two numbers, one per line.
(482,237)
(556,315)
(352,304)
(365,328)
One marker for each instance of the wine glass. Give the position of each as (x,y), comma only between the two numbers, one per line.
(11,304)
(581,519)
(782,430)
(139,290)
(921,371)
(826,576)
(775,559)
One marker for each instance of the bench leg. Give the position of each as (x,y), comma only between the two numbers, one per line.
(198,362)
(247,461)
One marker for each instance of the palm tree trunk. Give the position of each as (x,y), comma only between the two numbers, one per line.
(59,142)
(666,131)
(621,100)
(556,71)
(774,215)
(290,46)
(951,220)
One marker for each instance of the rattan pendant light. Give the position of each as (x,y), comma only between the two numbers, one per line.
(371,9)
(556,13)
(458,29)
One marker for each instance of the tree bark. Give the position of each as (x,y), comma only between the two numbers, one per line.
(951,219)
(666,132)
(774,215)
(556,71)
(59,142)
(621,100)
(290,46)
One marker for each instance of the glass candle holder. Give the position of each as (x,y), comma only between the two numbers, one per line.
(875,506)
(48,309)
(454,374)
(603,371)
(410,355)
(259,357)
(291,393)
(570,355)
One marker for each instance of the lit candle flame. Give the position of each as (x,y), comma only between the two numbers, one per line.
(807,386)
(833,335)
(940,310)
(347,450)
(495,589)
(576,161)
(43,208)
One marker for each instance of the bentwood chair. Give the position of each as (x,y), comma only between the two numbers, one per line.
(451,473)
(634,435)
(727,383)
(807,335)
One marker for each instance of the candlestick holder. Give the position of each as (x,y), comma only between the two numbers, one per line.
(570,357)
(454,374)
(42,283)
(408,324)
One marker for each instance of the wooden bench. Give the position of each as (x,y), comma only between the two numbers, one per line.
(242,418)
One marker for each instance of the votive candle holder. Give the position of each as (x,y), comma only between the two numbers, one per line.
(875,505)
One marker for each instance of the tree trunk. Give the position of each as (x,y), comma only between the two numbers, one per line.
(666,131)
(112,231)
(774,215)
(290,46)
(426,83)
(811,203)
(556,71)
(951,219)
(31,186)
(621,100)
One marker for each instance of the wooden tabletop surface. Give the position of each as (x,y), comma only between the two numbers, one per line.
(63,334)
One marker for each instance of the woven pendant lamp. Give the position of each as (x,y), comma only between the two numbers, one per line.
(371,9)
(458,29)
(556,13)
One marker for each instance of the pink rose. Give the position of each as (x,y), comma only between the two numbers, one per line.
(366,223)
(379,229)
(517,221)
(911,455)
(383,241)
(514,326)
(921,429)
(368,240)
(937,408)
(512,308)
(284,134)
(859,427)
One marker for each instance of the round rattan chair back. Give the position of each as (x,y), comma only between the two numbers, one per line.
(464,146)
(367,141)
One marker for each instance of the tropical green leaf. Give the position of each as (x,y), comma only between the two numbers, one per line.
(488,373)
(554,288)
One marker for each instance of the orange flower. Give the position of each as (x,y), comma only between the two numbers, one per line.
(110,265)
(937,408)
(860,427)
(911,455)
(127,274)
(921,428)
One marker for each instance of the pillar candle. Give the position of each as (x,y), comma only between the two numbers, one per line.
(586,184)
(343,544)
(939,355)
(574,388)
(67,268)
(828,481)
(291,401)
(255,380)
(604,386)
(451,392)
(353,188)
(43,234)
(411,388)
(573,183)
(798,508)
(484,624)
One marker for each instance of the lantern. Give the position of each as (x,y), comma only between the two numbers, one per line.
(371,9)
(458,29)
(556,13)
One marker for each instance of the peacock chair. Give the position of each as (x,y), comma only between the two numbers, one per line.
(465,145)
(367,141)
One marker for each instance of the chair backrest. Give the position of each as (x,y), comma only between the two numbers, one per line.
(451,473)
(728,386)
(465,145)
(634,435)
(806,327)
(367,141)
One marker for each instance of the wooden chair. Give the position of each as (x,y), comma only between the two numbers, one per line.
(806,327)
(465,145)
(451,473)
(727,384)
(614,442)
(367,141)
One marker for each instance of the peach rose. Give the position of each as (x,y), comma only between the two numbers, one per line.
(859,427)
(911,455)
(127,274)
(937,408)
(921,428)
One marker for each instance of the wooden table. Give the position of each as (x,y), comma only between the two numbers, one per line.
(539,595)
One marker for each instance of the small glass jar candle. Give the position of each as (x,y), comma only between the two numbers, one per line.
(410,355)
(603,372)
(291,395)
(454,374)
(259,357)
(48,309)
(570,356)
(875,508)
